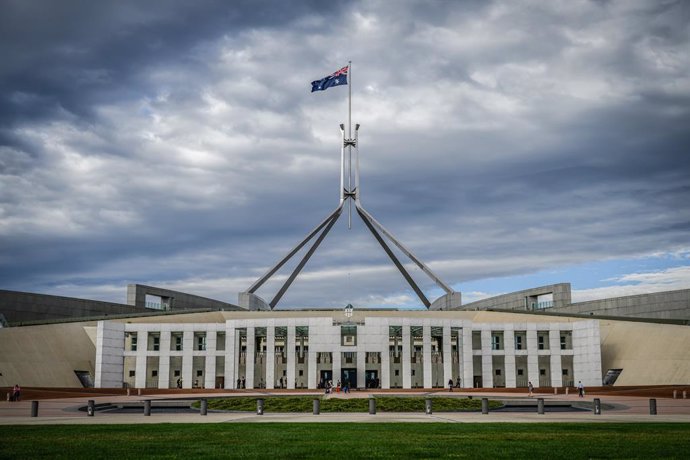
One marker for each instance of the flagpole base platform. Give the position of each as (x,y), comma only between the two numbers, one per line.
(447,301)
(252,302)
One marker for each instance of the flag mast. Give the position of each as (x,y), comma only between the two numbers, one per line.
(349,135)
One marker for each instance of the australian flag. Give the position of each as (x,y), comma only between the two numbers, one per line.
(335,79)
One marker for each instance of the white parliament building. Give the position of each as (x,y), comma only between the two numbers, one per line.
(367,349)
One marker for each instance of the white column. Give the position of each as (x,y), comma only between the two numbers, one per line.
(311,366)
(555,361)
(291,360)
(164,360)
(447,356)
(230,356)
(532,355)
(210,359)
(385,363)
(406,357)
(467,361)
(361,367)
(251,356)
(187,358)
(337,364)
(110,347)
(487,361)
(270,355)
(426,356)
(509,349)
(140,363)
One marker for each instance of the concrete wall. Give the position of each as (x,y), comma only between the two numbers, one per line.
(516,300)
(25,306)
(649,354)
(47,355)
(174,300)
(659,305)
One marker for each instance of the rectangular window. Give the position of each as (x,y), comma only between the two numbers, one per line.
(301,372)
(154,373)
(498,372)
(178,343)
(565,371)
(518,342)
(201,342)
(156,343)
(520,371)
(133,343)
(131,373)
(412,371)
(496,342)
(540,342)
(176,373)
(563,342)
(397,372)
(542,371)
(199,373)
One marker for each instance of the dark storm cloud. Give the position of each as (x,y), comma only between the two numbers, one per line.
(176,143)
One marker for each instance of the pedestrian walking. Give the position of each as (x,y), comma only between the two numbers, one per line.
(580,389)
(530,388)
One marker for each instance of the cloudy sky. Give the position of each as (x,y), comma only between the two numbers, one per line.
(508,144)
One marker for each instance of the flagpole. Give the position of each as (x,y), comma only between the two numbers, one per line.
(349,135)
(349,104)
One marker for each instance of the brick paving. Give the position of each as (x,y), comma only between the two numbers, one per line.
(618,406)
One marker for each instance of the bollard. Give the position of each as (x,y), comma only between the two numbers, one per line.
(259,407)
(485,405)
(685,394)
(138,391)
(372,406)
(652,406)
(566,391)
(204,407)
(597,406)
(34,408)
(428,406)
(675,394)
(555,391)
(128,391)
(90,408)
(317,406)
(540,406)
(147,407)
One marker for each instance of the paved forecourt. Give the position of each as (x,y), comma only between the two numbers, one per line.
(614,409)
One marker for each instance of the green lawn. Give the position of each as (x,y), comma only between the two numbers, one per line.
(383,404)
(347,441)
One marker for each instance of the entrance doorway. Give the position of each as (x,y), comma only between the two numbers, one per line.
(220,381)
(371,379)
(348,375)
(326,375)
(478,381)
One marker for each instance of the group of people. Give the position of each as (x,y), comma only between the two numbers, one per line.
(451,384)
(15,394)
(328,386)
(580,389)
(241,383)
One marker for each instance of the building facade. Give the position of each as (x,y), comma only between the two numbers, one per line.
(385,351)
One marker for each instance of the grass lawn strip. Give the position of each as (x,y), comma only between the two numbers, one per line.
(383,404)
(348,440)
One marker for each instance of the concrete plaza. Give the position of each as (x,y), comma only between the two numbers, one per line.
(615,408)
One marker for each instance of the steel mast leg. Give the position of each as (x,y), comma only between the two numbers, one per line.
(395,260)
(304,260)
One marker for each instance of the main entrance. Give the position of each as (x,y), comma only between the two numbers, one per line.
(348,375)
(326,376)
(371,379)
